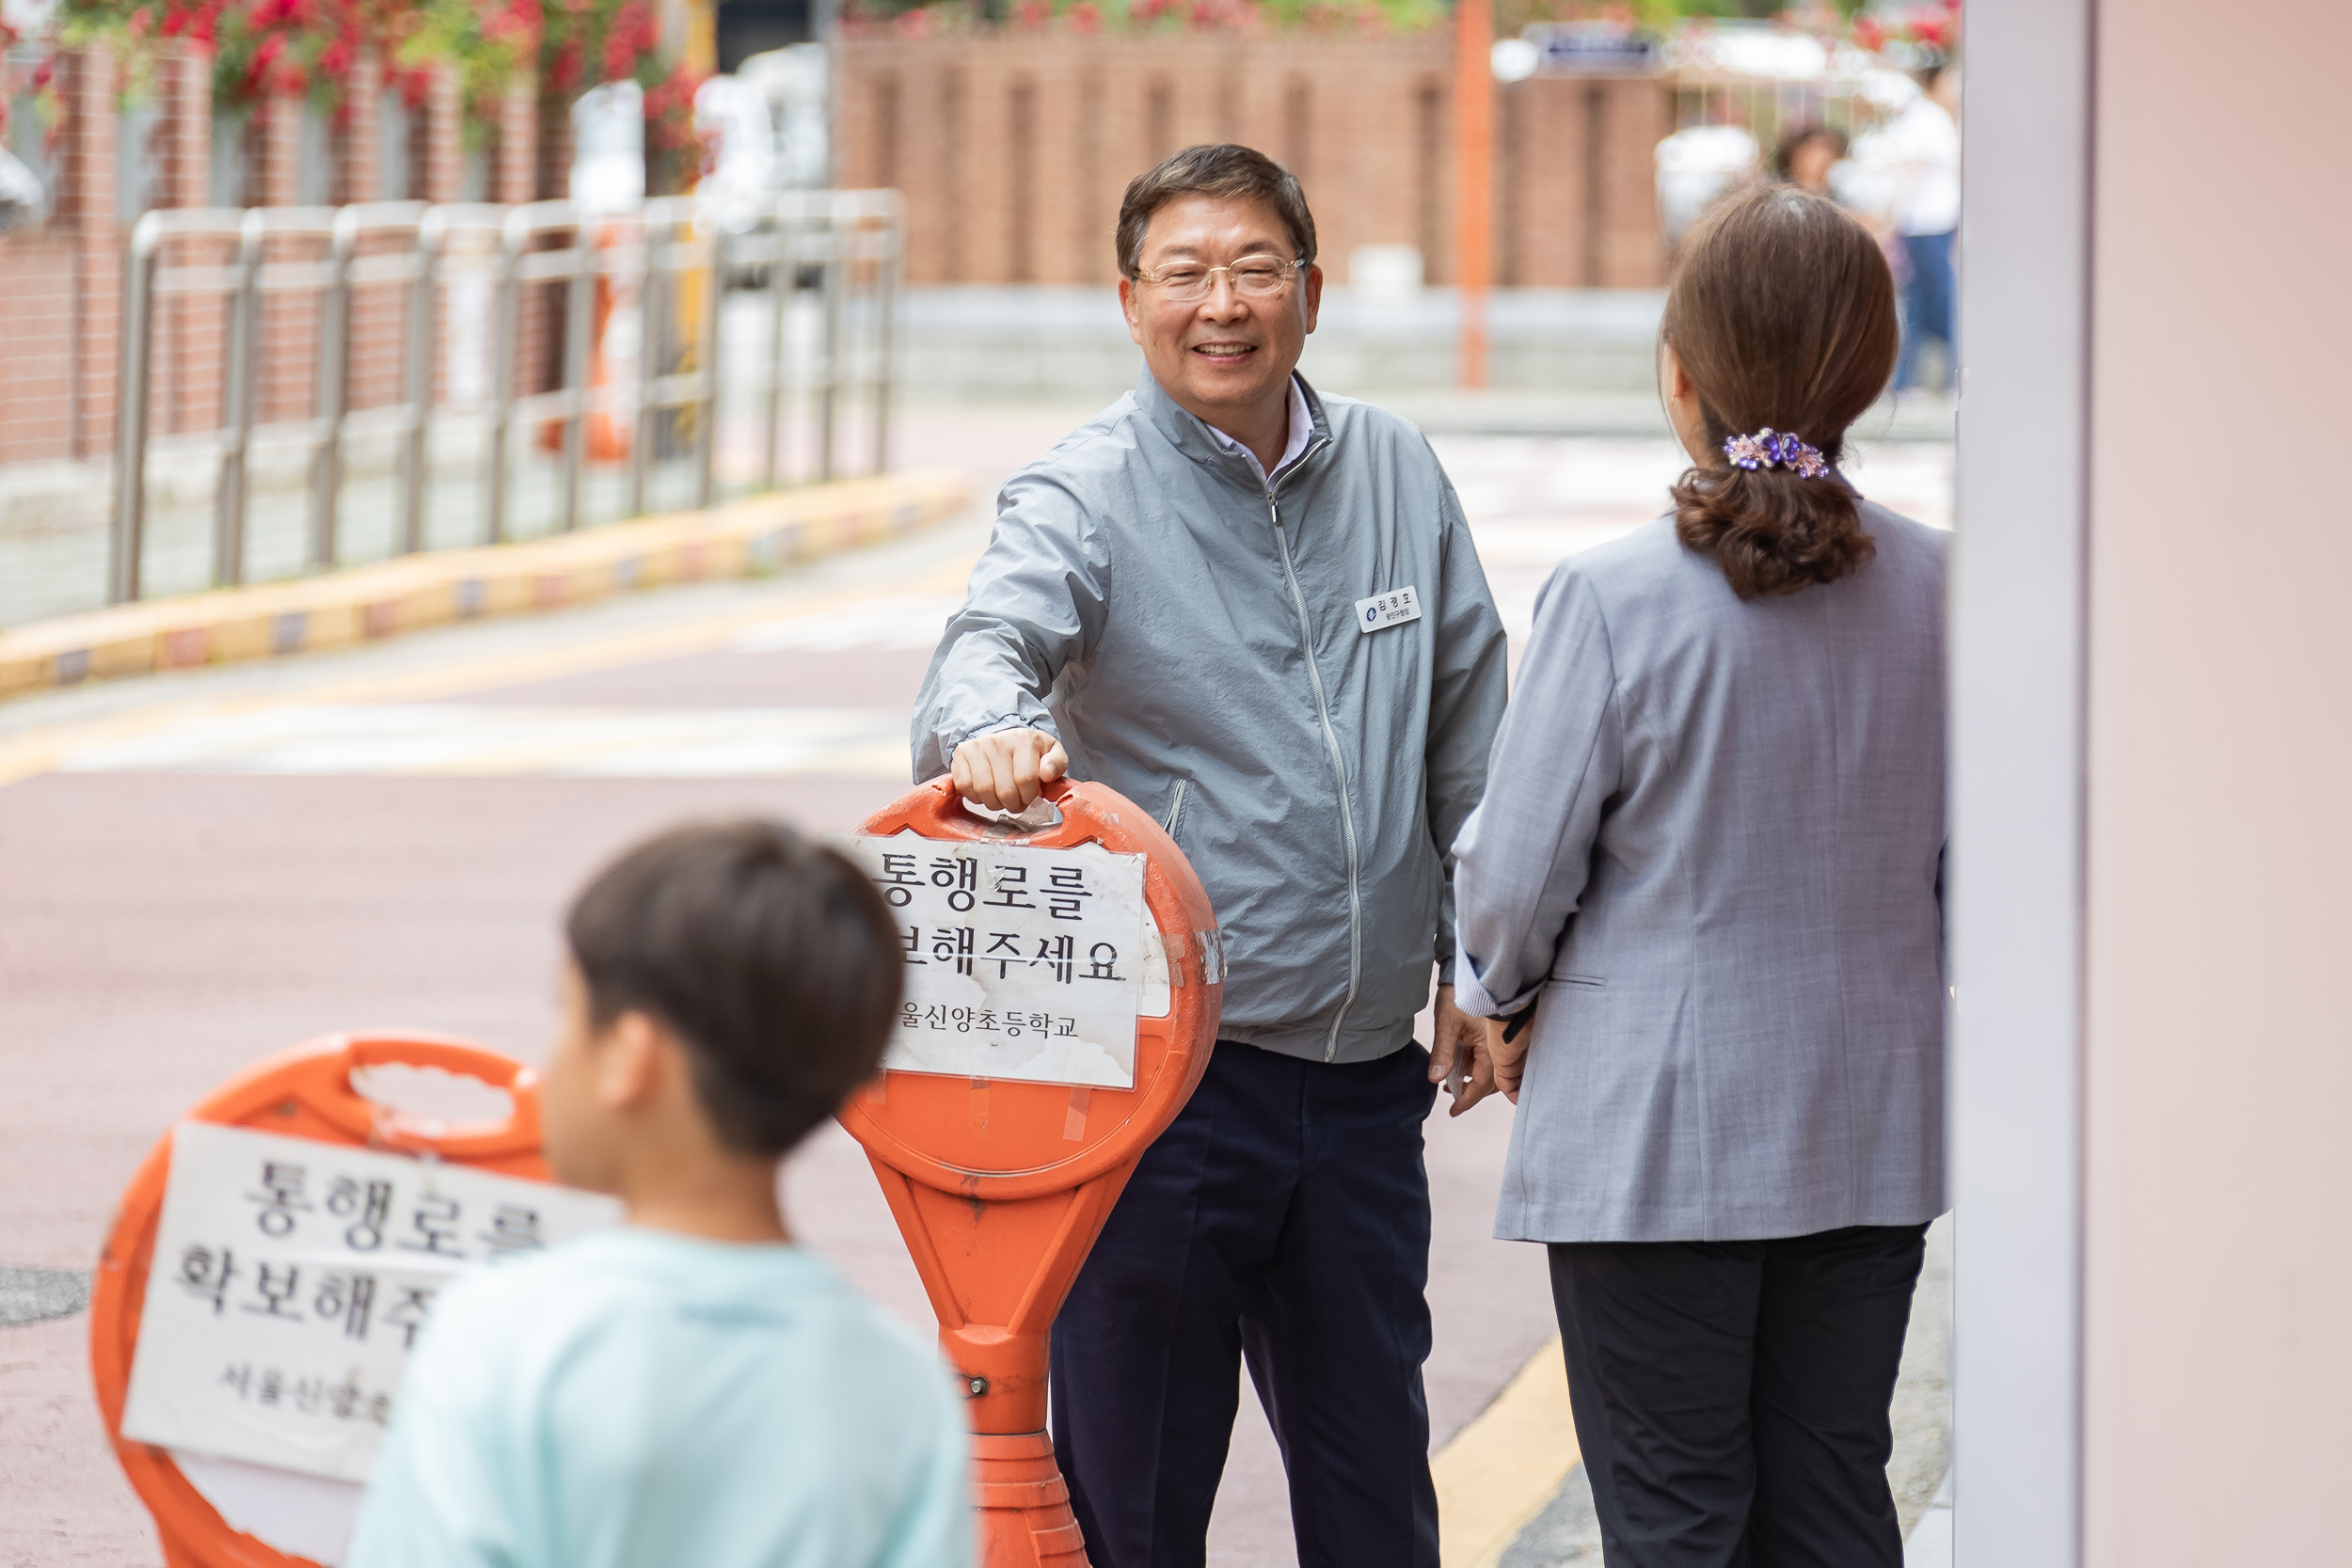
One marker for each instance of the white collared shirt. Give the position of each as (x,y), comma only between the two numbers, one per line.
(1302,430)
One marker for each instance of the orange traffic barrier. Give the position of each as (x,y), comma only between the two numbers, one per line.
(306,1092)
(1001,1185)
(611,433)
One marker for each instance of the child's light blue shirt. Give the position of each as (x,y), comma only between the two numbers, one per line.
(640,1397)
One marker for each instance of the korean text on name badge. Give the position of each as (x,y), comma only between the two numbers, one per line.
(1392,609)
(289,1279)
(1022,962)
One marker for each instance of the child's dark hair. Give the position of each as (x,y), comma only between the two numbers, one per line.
(771,958)
(1782,313)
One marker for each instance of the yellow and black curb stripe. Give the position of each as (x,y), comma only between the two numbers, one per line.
(337,609)
(1496,1474)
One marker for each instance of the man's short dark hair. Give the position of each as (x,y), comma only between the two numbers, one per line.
(1228,171)
(772,960)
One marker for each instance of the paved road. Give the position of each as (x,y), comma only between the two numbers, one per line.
(198,869)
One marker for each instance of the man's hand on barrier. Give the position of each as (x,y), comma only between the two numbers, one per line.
(1008,770)
(1460,1042)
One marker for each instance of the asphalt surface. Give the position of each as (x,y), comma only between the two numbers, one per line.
(200,869)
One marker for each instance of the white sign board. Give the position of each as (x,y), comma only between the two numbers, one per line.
(1022,962)
(289,1280)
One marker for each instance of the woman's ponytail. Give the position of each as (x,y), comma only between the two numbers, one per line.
(1782,314)
(1770,531)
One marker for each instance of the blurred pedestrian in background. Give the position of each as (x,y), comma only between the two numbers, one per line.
(1921,147)
(1706,883)
(1806,154)
(690,1387)
(1256,611)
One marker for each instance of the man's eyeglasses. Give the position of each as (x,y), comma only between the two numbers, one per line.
(1252,277)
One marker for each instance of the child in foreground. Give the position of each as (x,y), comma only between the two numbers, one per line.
(691,1389)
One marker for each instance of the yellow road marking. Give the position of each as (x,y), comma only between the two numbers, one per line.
(1497,1472)
(37,751)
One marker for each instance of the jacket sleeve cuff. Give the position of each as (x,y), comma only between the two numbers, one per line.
(1471,994)
(991,726)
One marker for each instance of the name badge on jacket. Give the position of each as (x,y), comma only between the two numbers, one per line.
(1383,610)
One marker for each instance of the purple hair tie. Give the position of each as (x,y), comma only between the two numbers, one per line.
(1770,449)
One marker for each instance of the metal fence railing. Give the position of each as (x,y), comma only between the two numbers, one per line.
(606,350)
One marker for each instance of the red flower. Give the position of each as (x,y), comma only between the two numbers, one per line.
(1087,17)
(913,25)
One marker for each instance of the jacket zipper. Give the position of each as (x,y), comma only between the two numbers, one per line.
(1175,808)
(1339,770)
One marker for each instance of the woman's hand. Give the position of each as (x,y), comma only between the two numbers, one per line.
(1461,1049)
(1509,1055)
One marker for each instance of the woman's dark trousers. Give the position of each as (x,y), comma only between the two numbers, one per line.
(1731,1396)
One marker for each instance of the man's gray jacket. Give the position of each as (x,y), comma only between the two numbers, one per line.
(1192,636)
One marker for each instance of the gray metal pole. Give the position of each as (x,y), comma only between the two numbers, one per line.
(886,282)
(244,332)
(516,234)
(836,247)
(333,390)
(130,498)
(417,390)
(650,243)
(780,295)
(578,296)
(706,427)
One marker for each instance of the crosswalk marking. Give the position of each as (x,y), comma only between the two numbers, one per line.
(482,740)
(897,621)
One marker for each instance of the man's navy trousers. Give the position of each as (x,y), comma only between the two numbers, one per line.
(1282,1219)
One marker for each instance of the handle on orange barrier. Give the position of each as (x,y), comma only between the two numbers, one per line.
(332,1095)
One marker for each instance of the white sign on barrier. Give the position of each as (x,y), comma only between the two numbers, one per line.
(290,1277)
(1022,962)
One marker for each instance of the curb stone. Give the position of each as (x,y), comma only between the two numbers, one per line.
(362,604)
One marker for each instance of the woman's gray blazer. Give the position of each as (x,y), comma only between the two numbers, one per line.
(1711,844)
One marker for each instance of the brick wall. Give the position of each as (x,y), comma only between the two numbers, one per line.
(286,384)
(191,329)
(441,156)
(1013,150)
(61,287)
(1576,193)
(38,302)
(379,310)
(86,208)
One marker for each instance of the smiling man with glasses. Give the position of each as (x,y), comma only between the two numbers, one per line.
(1257,612)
